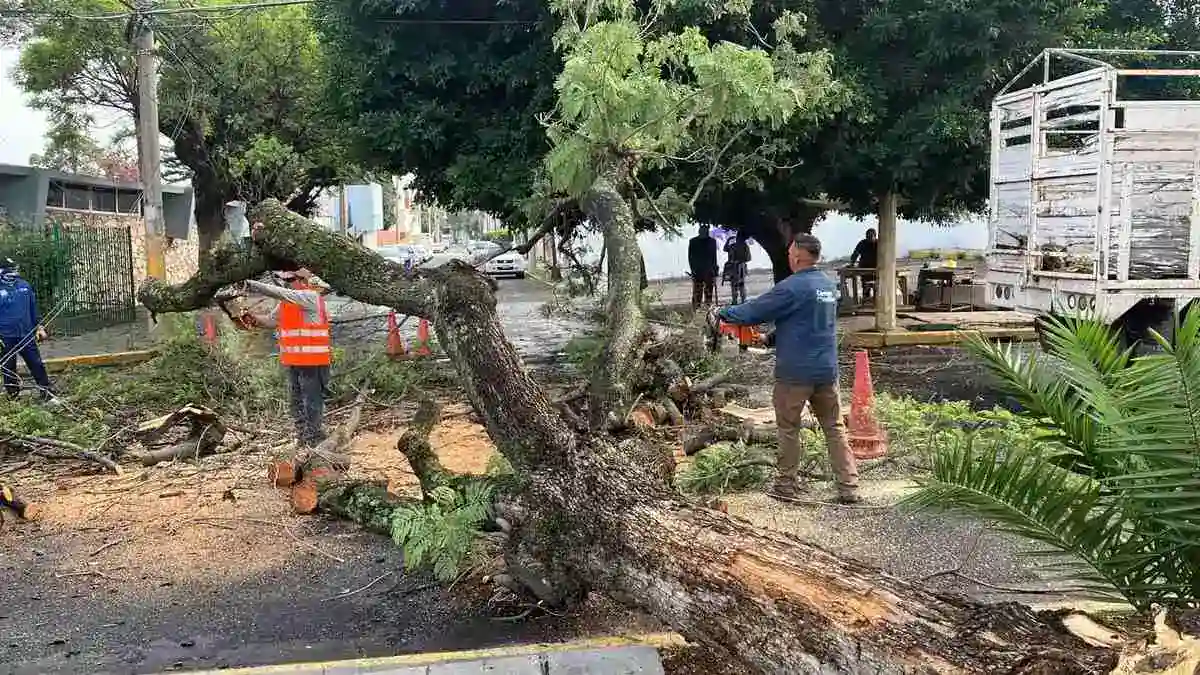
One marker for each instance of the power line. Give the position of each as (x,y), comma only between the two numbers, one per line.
(154,12)
(227,11)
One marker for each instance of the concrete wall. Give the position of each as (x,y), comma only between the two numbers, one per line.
(181,255)
(19,197)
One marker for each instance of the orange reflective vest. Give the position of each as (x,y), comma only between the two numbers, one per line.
(302,343)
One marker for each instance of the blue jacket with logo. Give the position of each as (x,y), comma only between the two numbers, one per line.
(804,310)
(18,311)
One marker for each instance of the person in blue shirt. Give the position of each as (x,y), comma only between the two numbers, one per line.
(20,330)
(803,308)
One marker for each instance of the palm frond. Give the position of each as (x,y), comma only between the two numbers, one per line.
(1044,395)
(1025,494)
(1126,504)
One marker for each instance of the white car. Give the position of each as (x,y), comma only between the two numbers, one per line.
(400,254)
(510,263)
(422,253)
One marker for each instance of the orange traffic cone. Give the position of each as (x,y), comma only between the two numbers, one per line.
(867,439)
(422,348)
(209,325)
(395,343)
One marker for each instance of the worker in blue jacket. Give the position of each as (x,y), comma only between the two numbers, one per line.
(20,330)
(804,310)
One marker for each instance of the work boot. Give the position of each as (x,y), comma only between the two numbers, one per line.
(784,489)
(846,497)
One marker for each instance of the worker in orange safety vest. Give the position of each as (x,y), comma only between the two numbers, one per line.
(305,350)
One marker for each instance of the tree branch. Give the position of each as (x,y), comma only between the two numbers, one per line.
(457,299)
(414,445)
(715,166)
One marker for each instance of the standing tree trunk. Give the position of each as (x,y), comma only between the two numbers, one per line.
(775,234)
(391,203)
(885,274)
(611,389)
(210,198)
(602,514)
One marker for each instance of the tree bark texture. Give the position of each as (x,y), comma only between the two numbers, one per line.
(885,277)
(602,514)
(611,390)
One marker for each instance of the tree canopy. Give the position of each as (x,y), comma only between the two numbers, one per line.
(242,101)
(450,91)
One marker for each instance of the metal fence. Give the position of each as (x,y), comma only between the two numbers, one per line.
(83,275)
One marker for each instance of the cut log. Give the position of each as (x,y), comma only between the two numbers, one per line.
(316,468)
(12,501)
(602,515)
(206,432)
(198,417)
(283,472)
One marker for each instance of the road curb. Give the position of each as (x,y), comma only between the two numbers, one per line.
(637,649)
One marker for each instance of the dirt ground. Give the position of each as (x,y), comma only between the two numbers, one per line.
(201,564)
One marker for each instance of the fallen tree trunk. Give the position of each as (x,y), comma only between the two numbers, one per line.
(602,515)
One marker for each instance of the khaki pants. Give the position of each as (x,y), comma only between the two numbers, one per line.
(789,406)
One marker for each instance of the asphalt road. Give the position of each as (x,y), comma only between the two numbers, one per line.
(521,304)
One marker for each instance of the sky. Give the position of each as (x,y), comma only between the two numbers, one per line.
(22,129)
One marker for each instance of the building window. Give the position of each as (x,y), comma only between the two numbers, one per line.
(104,199)
(77,198)
(54,196)
(94,199)
(129,201)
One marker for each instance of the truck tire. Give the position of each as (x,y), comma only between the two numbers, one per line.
(1136,324)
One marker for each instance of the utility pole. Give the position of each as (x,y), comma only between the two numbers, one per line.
(343,211)
(149,155)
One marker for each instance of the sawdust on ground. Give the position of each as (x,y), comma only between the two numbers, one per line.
(461,445)
(212,518)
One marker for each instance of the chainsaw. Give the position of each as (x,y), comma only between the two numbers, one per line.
(746,337)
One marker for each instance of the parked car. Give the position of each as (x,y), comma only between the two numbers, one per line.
(400,254)
(510,263)
(480,248)
(422,253)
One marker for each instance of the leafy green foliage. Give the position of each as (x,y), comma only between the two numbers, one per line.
(1112,480)
(21,417)
(920,430)
(442,534)
(635,93)
(236,377)
(43,258)
(241,95)
(724,467)
(449,90)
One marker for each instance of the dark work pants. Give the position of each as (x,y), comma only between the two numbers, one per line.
(703,290)
(307,385)
(33,360)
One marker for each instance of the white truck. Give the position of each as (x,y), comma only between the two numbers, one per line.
(1095,191)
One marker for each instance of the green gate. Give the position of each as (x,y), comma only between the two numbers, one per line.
(83,275)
